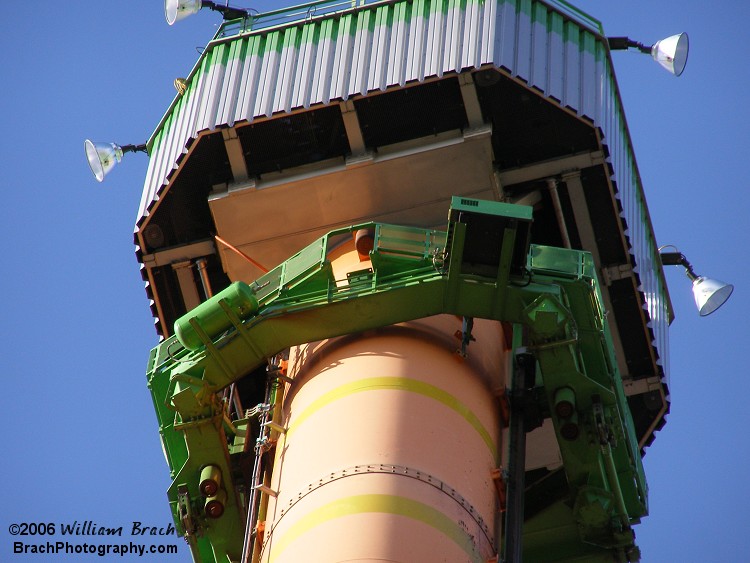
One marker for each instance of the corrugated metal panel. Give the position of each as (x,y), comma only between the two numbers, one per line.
(395,72)
(555,63)
(572,66)
(523,40)
(588,70)
(549,46)
(540,37)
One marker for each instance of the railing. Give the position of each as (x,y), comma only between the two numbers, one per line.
(293,14)
(404,250)
(310,10)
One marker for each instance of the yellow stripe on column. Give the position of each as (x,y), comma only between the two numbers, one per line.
(398,384)
(384,504)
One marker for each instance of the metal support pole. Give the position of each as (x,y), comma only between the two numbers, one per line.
(523,375)
(557,204)
(202,264)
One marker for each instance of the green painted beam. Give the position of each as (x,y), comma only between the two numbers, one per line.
(418,273)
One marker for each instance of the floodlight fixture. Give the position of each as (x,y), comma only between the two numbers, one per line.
(175,10)
(709,294)
(102,157)
(671,52)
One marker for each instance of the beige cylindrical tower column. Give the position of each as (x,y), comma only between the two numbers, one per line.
(390,444)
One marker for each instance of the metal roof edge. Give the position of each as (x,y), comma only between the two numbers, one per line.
(566,9)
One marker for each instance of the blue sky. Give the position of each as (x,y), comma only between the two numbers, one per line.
(80,436)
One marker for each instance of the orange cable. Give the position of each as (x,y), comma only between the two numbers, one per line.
(238,251)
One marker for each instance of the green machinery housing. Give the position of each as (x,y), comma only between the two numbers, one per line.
(481,266)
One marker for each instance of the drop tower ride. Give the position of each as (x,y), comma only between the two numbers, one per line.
(410,302)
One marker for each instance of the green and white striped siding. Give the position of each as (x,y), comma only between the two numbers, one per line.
(545,44)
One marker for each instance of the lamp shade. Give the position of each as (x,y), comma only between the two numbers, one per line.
(710,294)
(175,10)
(102,157)
(672,53)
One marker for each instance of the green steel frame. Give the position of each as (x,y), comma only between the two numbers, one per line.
(468,270)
